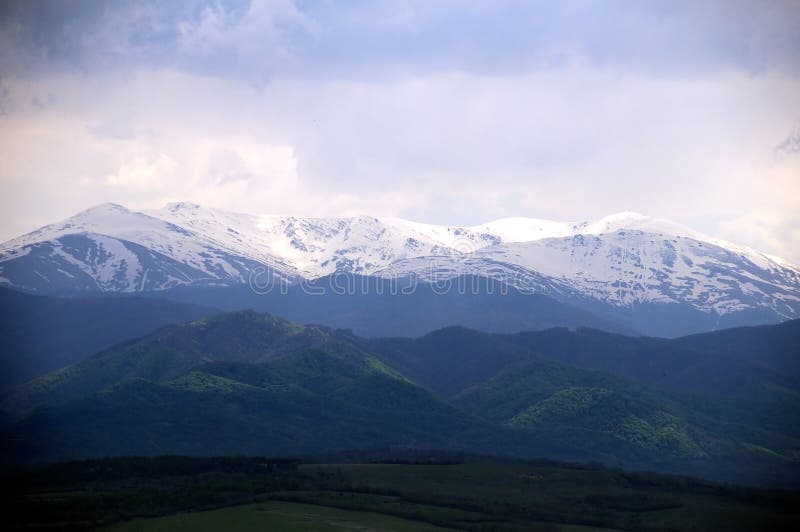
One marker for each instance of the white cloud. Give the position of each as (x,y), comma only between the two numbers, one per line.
(143,172)
(771,232)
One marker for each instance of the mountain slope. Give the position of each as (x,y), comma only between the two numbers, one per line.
(775,347)
(236,383)
(242,382)
(246,382)
(200,413)
(109,248)
(450,360)
(719,392)
(628,422)
(657,276)
(374,306)
(39,334)
(657,283)
(244,337)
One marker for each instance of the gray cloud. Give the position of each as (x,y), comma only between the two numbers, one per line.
(263,38)
(790,145)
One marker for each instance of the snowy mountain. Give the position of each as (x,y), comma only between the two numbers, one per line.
(620,262)
(109,248)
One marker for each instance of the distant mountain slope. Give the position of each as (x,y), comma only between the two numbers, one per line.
(658,283)
(236,383)
(244,337)
(246,382)
(373,306)
(618,418)
(109,248)
(730,390)
(338,405)
(40,334)
(450,360)
(657,276)
(776,347)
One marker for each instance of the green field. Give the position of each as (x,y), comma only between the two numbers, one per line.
(177,493)
(475,495)
(283,516)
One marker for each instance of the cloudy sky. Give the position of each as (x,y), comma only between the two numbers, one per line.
(452,112)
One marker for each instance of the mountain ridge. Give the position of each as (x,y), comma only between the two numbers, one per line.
(615,265)
(247,382)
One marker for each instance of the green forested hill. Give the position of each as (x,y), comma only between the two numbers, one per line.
(252,383)
(39,334)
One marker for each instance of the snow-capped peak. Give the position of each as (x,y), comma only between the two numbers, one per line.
(520,229)
(531,229)
(176,206)
(627,220)
(621,259)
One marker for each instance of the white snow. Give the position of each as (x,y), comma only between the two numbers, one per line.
(622,259)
